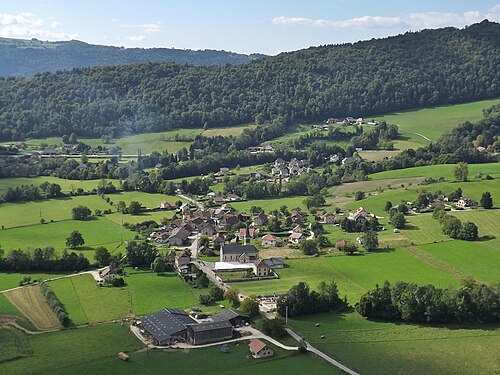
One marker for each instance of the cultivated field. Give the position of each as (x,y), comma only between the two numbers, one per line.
(418,125)
(30,301)
(390,348)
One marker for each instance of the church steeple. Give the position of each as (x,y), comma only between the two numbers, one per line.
(247,235)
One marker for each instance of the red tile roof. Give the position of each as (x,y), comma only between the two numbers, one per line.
(256,345)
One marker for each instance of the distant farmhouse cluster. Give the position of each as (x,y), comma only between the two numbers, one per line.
(344,121)
(293,168)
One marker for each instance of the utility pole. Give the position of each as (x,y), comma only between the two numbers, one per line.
(286,315)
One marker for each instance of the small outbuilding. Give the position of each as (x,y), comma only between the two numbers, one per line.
(123,356)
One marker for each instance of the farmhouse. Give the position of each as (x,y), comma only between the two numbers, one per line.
(259,349)
(269,240)
(275,262)
(359,214)
(261,219)
(182,261)
(239,253)
(168,206)
(464,202)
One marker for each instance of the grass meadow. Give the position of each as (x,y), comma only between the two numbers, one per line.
(15,344)
(432,122)
(370,347)
(93,350)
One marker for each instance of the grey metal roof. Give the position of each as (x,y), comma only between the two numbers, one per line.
(239,249)
(163,324)
(210,326)
(227,315)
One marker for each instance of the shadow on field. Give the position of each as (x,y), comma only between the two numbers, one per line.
(487,237)
(411,227)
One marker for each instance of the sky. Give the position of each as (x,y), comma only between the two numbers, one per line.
(244,26)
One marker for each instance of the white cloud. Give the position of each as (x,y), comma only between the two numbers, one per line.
(28,25)
(136,38)
(414,21)
(146,28)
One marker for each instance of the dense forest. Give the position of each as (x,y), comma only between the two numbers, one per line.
(24,58)
(412,70)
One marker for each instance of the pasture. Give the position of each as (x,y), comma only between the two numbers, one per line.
(86,302)
(67,186)
(97,232)
(30,301)
(10,280)
(269,204)
(227,131)
(370,347)
(93,350)
(419,125)
(15,344)
(354,275)
(437,171)
(150,292)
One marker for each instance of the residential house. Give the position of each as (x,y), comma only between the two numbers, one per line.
(260,220)
(178,237)
(241,233)
(260,349)
(218,200)
(232,197)
(218,240)
(171,256)
(239,253)
(360,213)
(464,202)
(349,159)
(296,238)
(269,240)
(182,260)
(229,220)
(207,230)
(328,218)
(168,206)
(261,269)
(244,217)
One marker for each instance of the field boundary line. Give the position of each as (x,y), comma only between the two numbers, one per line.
(439,264)
(78,299)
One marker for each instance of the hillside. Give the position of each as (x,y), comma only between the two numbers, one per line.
(413,70)
(24,58)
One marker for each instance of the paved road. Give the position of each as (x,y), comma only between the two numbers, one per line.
(312,349)
(198,204)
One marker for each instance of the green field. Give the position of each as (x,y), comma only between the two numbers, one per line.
(95,232)
(67,186)
(391,348)
(86,302)
(354,274)
(14,344)
(151,292)
(92,350)
(437,171)
(417,125)
(10,280)
(226,132)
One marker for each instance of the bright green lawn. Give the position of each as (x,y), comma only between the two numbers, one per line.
(146,199)
(226,132)
(87,302)
(388,348)
(433,122)
(95,232)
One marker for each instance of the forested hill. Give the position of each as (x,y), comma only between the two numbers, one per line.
(24,58)
(408,71)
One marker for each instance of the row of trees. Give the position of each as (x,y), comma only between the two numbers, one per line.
(32,192)
(409,302)
(453,227)
(43,259)
(55,304)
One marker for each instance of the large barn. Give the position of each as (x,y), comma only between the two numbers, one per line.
(169,326)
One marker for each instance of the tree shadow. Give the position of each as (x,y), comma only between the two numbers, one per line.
(411,227)
(485,238)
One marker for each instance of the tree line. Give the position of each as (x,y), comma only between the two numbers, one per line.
(408,302)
